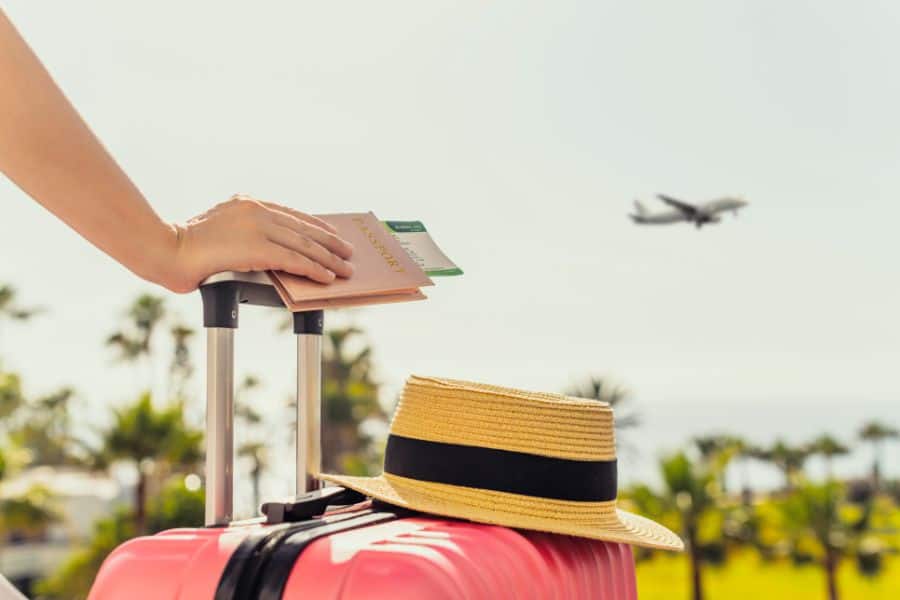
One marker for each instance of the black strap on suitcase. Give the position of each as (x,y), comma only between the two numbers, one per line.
(260,566)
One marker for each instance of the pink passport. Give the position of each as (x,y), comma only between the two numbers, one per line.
(383,272)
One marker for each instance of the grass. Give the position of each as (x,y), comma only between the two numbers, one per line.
(745,577)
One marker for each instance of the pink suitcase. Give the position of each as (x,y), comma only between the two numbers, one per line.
(359,550)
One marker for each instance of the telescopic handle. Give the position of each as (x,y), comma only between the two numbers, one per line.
(222,295)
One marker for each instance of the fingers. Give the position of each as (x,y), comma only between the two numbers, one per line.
(328,240)
(300,243)
(312,220)
(281,258)
(286,239)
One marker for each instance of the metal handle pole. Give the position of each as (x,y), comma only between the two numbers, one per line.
(309,412)
(219,424)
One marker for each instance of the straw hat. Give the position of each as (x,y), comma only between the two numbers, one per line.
(508,457)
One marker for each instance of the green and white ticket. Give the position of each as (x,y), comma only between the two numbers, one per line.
(417,242)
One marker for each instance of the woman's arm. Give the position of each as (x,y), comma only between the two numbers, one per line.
(49,152)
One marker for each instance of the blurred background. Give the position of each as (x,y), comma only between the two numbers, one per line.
(752,363)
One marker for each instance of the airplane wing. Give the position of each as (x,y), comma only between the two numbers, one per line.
(688,209)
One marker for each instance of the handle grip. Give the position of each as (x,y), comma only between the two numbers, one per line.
(222,296)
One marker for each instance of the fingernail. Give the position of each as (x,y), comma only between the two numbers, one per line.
(349,266)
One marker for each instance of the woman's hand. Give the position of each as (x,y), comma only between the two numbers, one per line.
(245,234)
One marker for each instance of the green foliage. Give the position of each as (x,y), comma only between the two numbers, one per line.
(799,525)
(874,431)
(818,525)
(689,485)
(140,431)
(45,431)
(9,307)
(827,446)
(350,396)
(11,396)
(133,340)
(181,368)
(146,436)
(811,514)
(175,507)
(789,459)
(243,409)
(29,514)
(74,578)
(258,455)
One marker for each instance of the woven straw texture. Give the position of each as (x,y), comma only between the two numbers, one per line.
(459,412)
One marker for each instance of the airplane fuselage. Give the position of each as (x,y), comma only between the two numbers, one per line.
(682,212)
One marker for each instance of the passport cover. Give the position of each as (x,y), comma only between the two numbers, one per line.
(383,271)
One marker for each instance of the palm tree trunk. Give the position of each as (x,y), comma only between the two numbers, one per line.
(140,501)
(255,475)
(746,490)
(788,480)
(830,565)
(695,563)
(876,466)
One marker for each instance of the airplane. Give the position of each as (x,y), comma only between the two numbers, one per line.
(698,214)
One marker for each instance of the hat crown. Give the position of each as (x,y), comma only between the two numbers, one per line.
(507,457)
(470,414)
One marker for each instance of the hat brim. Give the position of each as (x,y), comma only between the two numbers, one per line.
(594,520)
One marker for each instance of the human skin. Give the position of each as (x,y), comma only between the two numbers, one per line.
(48,150)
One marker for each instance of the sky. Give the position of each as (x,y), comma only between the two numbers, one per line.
(519,133)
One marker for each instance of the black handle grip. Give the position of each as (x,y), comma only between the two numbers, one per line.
(222,301)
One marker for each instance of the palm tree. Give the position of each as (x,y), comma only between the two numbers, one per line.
(828,447)
(11,396)
(255,451)
(29,514)
(181,369)
(812,514)
(242,409)
(690,489)
(789,460)
(717,451)
(10,386)
(133,341)
(350,396)
(10,309)
(876,434)
(745,451)
(258,454)
(46,433)
(688,497)
(618,397)
(143,435)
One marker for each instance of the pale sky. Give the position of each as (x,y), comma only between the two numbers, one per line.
(519,132)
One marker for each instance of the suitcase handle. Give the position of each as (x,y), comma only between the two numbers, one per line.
(222,296)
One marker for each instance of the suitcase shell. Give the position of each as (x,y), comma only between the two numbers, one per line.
(412,557)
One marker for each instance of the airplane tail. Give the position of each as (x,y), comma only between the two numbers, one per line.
(639,210)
